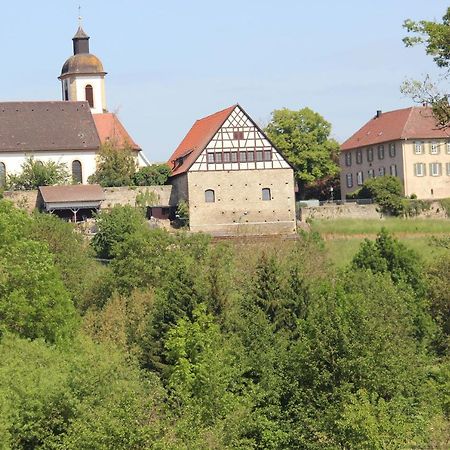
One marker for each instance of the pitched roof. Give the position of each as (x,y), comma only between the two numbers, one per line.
(72,193)
(110,129)
(407,123)
(196,140)
(39,126)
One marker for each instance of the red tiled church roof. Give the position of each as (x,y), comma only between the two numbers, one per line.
(110,129)
(196,140)
(407,123)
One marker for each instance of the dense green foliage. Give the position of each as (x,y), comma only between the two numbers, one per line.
(38,173)
(436,38)
(116,166)
(303,137)
(184,343)
(154,175)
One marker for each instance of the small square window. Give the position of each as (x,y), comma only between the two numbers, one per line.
(243,156)
(265,194)
(259,155)
(218,157)
(267,155)
(210,158)
(234,156)
(226,157)
(238,135)
(250,156)
(210,196)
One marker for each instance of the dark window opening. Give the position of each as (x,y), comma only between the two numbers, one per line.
(77,172)
(89,95)
(210,196)
(266,194)
(2,174)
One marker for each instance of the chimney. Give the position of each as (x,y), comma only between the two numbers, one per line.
(378,113)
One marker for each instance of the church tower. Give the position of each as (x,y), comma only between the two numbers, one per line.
(82,75)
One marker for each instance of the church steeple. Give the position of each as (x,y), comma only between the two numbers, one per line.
(80,42)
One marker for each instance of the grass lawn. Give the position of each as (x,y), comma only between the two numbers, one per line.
(373,226)
(343,236)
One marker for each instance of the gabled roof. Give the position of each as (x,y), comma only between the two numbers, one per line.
(72,193)
(110,129)
(407,123)
(196,140)
(40,126)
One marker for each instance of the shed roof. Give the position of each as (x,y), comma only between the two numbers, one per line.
(72,193)
(197,139)
(40,126)
(406,123)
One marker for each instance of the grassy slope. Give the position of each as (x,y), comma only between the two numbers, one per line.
(343,236)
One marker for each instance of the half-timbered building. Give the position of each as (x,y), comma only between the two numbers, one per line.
(234,180)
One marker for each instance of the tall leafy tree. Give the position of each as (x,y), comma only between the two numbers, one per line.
(303,137)
(436,38)
(116,166)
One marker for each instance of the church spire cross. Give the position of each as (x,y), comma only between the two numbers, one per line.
(80,18)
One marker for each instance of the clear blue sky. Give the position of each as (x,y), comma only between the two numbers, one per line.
(171,62)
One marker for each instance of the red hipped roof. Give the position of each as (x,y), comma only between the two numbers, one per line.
(196,140)
(110,129)
(407,123)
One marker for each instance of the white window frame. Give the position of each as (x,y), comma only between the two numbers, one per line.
(419,169)
(418,147)
(448,147)
(359,178)
(349,178)
(448,168)
(434,148)
(433,172)
(348,159)
(393,170)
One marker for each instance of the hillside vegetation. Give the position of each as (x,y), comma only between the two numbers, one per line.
(184,343)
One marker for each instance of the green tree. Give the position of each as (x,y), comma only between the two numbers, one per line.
(436,38)
(114,226)
(303,137)
(116,166)
(39,173)
(154,175)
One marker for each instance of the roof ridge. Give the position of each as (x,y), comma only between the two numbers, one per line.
(218,112)
(403,132)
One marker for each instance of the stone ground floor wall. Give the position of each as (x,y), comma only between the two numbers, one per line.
(238,207)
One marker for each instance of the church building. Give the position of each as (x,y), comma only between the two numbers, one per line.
(233,178)
(70,131)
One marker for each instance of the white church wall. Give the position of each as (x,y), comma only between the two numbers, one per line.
(97,83)
(14,160)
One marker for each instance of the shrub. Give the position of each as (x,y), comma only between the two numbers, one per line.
(37,173)
(154,175)
(445,203)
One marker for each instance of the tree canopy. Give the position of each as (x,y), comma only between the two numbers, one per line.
(303,137)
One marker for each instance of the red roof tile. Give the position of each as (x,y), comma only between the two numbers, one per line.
(110,129)
(407,123)
(197,139)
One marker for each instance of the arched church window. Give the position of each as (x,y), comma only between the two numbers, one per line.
(2,174)
(210,196)
(89,95)
(77,172)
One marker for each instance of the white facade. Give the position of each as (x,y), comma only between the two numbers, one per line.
(13,161)
(74,89)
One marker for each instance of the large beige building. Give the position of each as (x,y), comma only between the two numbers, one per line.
(234,180)
(406,143)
